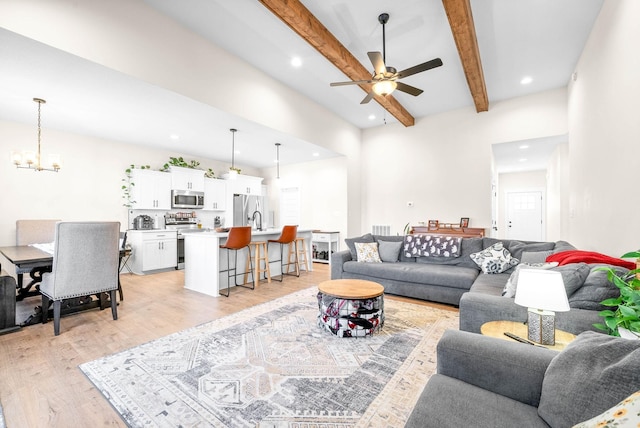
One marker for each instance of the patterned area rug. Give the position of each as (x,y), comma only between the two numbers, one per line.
(272,366)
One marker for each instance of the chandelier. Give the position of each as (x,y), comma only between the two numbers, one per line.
(31,160)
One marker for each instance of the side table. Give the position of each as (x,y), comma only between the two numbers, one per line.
(498,328)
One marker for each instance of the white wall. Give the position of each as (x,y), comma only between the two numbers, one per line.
(557,188)
(604,134)
(443,163)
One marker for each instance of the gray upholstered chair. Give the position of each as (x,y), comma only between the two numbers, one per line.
(85,262)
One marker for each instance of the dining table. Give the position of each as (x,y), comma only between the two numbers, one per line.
(28,259)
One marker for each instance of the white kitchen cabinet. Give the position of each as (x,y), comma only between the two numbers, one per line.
(151,190)
(323,244)
(152,250)
(187,179)
(215,194)
(244,184)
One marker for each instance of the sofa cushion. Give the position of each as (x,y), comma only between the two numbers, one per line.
(351,243)
(622,415)
(495,259)
(446,276)
(535,256)
(595,289)
(593,373)
(367,252)
(389,251)
(573,276)
(394,238)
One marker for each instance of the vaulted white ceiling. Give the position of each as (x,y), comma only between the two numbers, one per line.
(541,39)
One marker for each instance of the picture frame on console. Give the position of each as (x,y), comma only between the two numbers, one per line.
(464,222)
(433,224)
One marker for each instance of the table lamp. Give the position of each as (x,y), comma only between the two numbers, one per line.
(543,293)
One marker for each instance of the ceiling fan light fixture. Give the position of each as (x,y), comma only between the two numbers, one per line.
(384,87)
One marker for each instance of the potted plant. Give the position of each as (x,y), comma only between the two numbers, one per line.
(624,317)
(128,184)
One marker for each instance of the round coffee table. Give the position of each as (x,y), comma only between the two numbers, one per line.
(351,307)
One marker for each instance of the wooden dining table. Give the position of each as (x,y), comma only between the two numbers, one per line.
(34,261)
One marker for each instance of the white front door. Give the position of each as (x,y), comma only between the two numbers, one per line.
(524,216)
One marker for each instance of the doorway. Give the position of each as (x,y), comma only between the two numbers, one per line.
(523,215)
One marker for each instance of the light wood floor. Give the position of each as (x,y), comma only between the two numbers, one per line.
(40,382)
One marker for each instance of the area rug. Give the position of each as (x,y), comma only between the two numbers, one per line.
(272,366)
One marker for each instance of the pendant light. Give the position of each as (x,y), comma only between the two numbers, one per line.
(278,161)
(233,172)
(33,160)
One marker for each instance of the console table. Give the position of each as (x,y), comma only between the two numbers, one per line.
(465,232)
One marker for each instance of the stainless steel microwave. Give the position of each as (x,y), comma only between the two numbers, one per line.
(187,199)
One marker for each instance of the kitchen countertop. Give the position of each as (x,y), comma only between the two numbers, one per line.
(211,232)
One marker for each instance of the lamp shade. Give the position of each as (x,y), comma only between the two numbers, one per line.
(541,289)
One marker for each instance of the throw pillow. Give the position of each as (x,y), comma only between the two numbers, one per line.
(389,250)
(535,256)
(591,375)
(495,259)
(573,276)
(351,243)
(512,283)
(367,252)
(625,414)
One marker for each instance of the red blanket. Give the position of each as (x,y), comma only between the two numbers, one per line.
(579,256)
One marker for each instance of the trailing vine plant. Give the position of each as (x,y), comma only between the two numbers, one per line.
(128,184)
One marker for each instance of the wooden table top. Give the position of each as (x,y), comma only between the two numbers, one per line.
(498,328)
(351,288)
(25,254)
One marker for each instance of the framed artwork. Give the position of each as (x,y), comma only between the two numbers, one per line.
(433,224)
(464,222)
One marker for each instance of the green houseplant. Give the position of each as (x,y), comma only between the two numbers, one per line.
(128,184)
(625,312)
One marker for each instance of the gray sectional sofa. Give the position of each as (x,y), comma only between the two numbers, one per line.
(459,280)
(486,382)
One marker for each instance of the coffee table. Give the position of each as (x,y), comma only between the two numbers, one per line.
(498,328)
(350,307)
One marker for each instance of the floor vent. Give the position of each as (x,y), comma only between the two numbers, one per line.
(381,229)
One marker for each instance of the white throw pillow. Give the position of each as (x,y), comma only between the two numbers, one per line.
(625,414)
(367,252)
(495,259)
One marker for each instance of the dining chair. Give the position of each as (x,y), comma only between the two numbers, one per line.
(287,236)
(239,238)
(34,232)
(85,263)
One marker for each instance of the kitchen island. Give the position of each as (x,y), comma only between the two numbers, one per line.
(204,259)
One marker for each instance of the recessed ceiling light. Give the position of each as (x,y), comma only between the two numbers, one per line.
(523,160)
(524,146)
(174,137)
(372,117)
(296,61)
(316,154)
(526,80)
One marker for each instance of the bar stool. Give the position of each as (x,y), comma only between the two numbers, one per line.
(261,255)
(287,236)
(298,246)
(239,238)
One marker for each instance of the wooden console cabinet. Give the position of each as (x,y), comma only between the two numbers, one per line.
(465,232)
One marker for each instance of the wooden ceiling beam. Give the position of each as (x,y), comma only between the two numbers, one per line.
(464,34)
(306,25)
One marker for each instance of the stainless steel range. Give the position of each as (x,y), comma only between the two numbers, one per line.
(181,224)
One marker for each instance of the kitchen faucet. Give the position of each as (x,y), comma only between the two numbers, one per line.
(253,218)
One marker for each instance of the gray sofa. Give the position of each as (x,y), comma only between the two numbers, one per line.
(459,281)
(487,382)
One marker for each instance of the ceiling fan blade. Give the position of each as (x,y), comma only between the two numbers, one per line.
(437,62)
(378,62)
(353,82)
(368,98)
(412,90)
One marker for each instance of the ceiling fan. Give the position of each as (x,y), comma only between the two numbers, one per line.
(385,79)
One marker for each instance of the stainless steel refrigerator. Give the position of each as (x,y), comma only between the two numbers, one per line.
(248,210)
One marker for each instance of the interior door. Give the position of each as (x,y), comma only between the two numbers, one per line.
(524,216)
